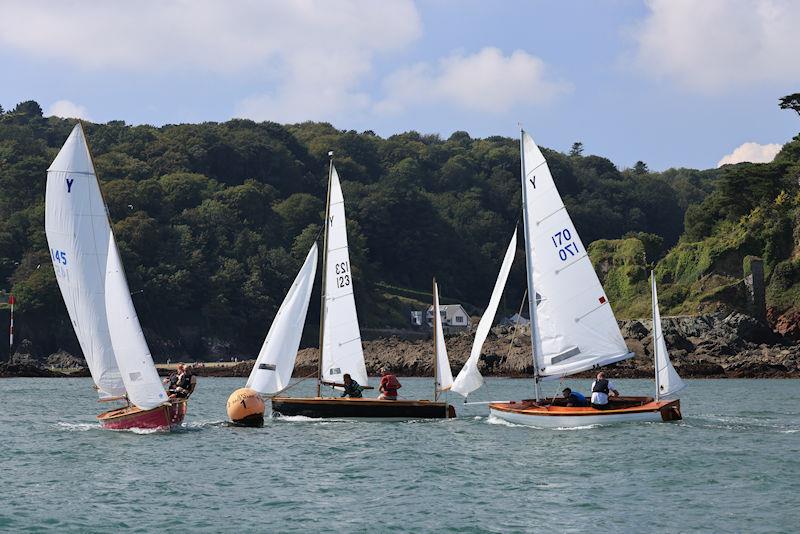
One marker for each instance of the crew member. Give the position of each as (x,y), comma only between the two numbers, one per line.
(574,398)
(601,389)
(389,385)
(351,388)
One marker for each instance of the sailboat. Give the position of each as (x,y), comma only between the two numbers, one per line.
(92,282)
(573,328)
(341,351)
(272,371)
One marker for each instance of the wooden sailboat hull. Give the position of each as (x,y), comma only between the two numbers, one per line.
(361,408)
(622,410)
(165,417)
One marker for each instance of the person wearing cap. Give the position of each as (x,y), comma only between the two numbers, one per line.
(389,385)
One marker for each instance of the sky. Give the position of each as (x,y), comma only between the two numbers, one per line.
(674,83)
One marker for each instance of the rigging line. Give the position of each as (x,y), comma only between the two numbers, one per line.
(290,386)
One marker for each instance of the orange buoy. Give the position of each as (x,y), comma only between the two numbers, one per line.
(246,407)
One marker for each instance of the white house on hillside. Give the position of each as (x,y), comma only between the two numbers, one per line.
(454,317)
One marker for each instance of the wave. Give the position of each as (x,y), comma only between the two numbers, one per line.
(78,427)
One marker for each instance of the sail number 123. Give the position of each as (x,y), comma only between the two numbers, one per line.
(562,240)
(342,274)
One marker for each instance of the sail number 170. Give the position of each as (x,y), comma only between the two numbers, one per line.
(562,240)
(342,274)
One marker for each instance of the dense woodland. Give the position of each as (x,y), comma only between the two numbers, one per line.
(213,221)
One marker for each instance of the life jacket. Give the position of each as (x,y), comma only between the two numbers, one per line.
(600,386)
(185,381)
(390,384)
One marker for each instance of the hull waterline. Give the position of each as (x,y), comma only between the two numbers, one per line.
(321,407)
(165,417)
(624,410)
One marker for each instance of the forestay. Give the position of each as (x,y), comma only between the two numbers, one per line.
(444,376)
(575,325)
(133,356)
(667,379)
(77,227)
(341,350)
(469,378)
(275,362)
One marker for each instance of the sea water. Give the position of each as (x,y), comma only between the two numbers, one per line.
(732,465)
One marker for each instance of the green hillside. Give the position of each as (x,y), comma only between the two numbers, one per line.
(214,219)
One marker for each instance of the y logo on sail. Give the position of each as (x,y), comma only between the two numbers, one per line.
(69,184)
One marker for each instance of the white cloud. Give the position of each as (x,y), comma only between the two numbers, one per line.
(312,54)
(67,110)
(752,152)
(486,81)
(712,44)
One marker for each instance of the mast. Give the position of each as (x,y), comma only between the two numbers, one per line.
(324,275)
(435,344)
(535,344)
(655,340)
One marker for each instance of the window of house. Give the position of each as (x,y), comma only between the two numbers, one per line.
(459,319)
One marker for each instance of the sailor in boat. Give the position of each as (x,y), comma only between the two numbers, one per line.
(184,384)
(351,388)
(172,380)
(389,385)
(602,388)
(574,398)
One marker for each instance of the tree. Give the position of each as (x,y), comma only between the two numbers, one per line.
(791,102)
(640,168)
(577,150)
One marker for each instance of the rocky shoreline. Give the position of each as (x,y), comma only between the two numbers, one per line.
(708,346)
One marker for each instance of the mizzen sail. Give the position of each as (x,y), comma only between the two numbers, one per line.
(275,363)
(133,356)
(77,227)
(469,378)
(575,326)
(341,350)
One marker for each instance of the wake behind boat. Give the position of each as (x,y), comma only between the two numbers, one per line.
(92,282)
(341,353)
(573,328)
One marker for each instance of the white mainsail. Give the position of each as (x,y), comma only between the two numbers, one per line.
(133,356)
(668,382)
(444,376)
(341,350)
(275,363)
(469,378)
(575,326)
(77,227)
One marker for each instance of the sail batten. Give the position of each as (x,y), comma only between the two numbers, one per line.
(342,352)
(78,230)
(275,363)
(573,314)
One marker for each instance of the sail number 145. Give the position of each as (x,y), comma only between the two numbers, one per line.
(562,240)
(342,274)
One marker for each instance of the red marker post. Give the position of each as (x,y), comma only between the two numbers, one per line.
(11,301)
